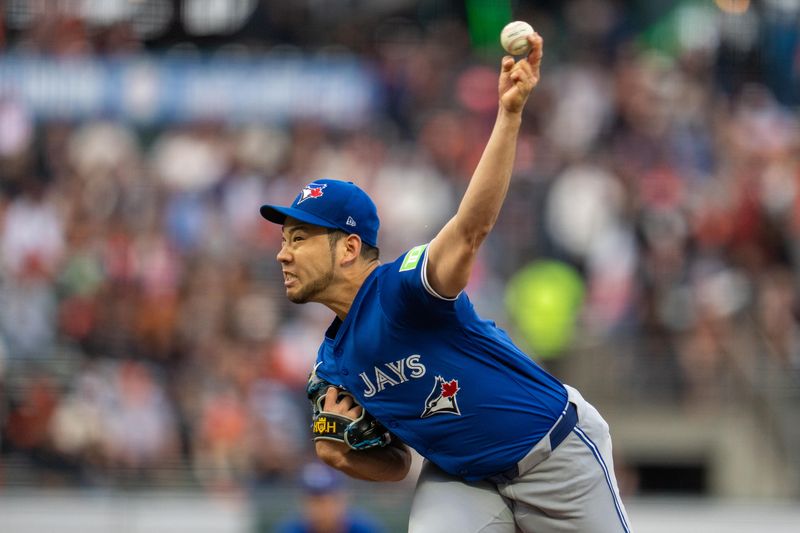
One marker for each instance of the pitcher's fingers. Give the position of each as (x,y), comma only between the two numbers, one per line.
(346,402)
(525,67)
(331,395)
(537,49)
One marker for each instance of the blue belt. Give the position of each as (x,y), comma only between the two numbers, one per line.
(559,432)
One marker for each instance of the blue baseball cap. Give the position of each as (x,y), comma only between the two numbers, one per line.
(331,204)
(318,478)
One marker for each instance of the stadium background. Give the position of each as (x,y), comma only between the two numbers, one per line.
(151,371)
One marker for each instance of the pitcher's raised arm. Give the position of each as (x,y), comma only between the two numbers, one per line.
(452,251)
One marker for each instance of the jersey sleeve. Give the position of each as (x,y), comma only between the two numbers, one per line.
(325,369)
(407,296)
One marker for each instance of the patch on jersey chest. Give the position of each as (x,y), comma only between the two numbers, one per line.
(442,398)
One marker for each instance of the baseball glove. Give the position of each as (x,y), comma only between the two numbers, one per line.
(363,433)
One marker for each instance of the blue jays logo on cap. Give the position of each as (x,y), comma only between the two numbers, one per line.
(312,190)
(337,204)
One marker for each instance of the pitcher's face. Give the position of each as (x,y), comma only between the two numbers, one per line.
(307,261)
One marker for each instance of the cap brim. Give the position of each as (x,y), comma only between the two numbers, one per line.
(278,215)
(326,488)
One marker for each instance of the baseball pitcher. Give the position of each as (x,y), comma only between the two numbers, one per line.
(407,362)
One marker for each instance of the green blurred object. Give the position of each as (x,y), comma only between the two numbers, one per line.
(486,18)
(674,27)
(544,299)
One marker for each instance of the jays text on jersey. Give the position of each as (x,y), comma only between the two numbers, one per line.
(449,384)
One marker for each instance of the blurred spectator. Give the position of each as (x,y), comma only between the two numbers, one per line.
(32,240)
(30,416)
(78,424)
(222,453)
(326,508)
(138,424)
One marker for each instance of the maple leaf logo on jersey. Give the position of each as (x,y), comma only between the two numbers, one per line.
(312,190)
(442,398)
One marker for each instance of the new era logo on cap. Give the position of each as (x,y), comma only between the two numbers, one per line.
(336,204)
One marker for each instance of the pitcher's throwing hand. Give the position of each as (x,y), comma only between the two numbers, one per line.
(518,79)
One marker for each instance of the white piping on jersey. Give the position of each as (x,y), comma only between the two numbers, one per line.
(424,274)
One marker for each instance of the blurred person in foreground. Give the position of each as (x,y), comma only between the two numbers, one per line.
(508,447)
(326,508)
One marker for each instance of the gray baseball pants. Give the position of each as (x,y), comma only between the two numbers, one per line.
(569,489)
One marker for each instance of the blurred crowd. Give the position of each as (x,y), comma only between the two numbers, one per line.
(143,327)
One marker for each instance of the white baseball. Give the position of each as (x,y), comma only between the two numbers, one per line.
(514,37)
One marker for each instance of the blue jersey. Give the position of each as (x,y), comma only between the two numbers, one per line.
(450,385)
